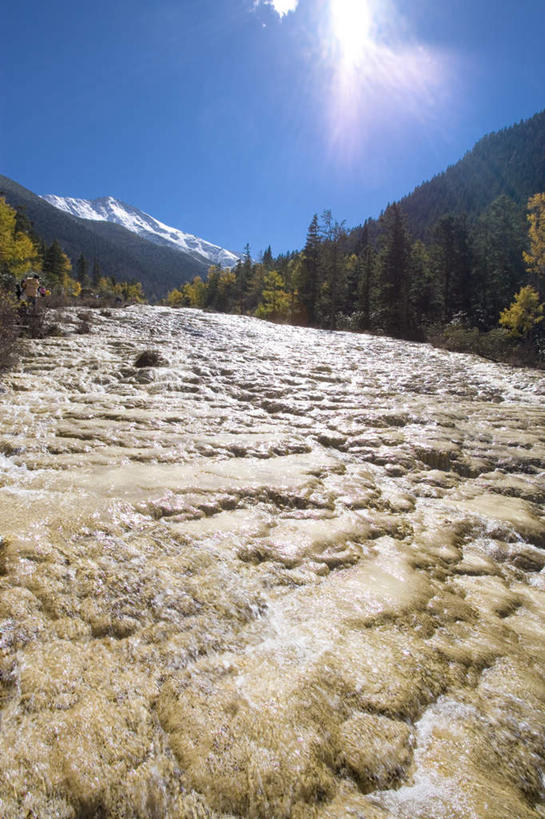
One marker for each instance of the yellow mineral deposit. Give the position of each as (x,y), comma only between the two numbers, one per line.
(288,573)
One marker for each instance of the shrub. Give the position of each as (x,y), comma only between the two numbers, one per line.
(9,329)
(496,345)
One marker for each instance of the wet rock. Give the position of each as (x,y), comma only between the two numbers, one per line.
(204,611)
(376,750)
(150,358)
(216,734)
(453,729)
(506,517)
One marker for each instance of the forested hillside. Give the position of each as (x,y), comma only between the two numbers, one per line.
(118,251)
(464,253)
(25,255)
(458,252)
(509,163)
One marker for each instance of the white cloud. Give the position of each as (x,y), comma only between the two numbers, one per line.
(281,7)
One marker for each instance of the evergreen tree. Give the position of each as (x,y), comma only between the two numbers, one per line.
(267,260)
(96,274)
(243,273)
(82,274)
(394,267)
(424,291)
(365,278)
(498,242)
(332,273)
(352,275)
(254,287)
(212,283)
(453,260)
(309,272)
(57,267)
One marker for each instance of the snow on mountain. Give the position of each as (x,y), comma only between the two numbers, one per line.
(108,209)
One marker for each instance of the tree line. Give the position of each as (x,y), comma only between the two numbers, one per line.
(485,274)
(481,273)
(23,252)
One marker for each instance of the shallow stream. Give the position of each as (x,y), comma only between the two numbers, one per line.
(288,573)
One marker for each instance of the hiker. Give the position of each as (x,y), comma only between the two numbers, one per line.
(18,290)
(30,289)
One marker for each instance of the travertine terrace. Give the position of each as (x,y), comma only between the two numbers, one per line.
(289,573)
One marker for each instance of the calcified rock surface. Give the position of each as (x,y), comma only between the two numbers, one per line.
(287,573)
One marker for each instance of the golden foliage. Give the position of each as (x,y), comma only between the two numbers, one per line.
(174,298)
(17,252)
(276,302)
(535,259)
(524,313)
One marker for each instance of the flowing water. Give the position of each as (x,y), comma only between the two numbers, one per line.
(289,573)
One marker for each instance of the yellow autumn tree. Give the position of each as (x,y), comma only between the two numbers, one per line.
(535,258)
(524,314)
(72,287)
(132,292)
(226,290)
(276,302)
(194,292)
(17,252)
(106,288)
(175,298)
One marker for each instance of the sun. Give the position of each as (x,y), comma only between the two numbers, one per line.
(352,29)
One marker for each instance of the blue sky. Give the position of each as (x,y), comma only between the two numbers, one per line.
(237,120)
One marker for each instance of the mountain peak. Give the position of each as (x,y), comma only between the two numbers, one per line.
(110,209)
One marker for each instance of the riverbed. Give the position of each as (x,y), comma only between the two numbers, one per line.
(283,573)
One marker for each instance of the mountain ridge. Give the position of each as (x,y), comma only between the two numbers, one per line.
(120,252)
(111,209)
(508,162)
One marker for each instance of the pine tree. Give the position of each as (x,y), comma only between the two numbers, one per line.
(254,287)
(424,291)
(309,271)
(243,273)
(57,268)
(498,242)
(212,287)
(332,273)
(453,260)
(394,266)
(81,271)
(96,274)
(267,260)
(365,278)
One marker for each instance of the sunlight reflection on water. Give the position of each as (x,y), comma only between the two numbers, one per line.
(289,573)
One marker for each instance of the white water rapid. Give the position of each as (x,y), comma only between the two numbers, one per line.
(289,573)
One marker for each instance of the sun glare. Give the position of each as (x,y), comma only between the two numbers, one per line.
(378,71)
(351,23)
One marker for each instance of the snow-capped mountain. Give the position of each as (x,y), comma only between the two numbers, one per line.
(108,209)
